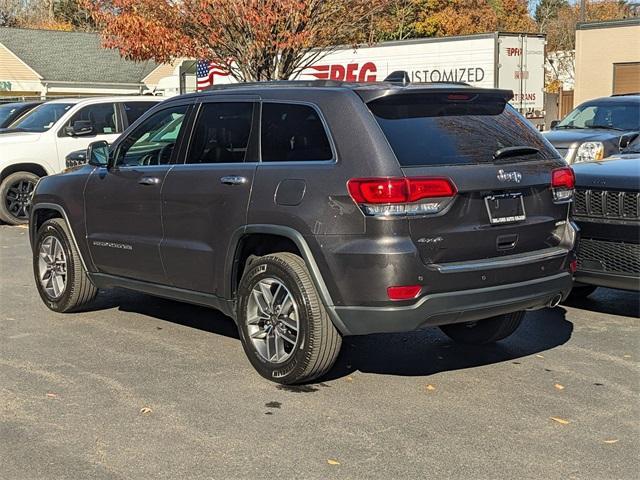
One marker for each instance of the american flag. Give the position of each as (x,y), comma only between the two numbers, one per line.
(205,71)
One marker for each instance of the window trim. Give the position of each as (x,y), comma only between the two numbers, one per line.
(119,126)
(334,155)
(179,140)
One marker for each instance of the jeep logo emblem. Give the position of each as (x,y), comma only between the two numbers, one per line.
(509,176)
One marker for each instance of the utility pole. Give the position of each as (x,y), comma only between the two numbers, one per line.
(583,10)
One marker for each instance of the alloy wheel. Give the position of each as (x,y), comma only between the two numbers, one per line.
(273,320)
(52,267)
(18,198)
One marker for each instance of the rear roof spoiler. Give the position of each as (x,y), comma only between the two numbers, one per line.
(372,94)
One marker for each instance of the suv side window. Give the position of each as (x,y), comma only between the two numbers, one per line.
(221,133)
(293,133)
(153,141)
(102,117)
(134,110)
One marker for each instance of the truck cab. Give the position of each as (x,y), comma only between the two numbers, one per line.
(37,143)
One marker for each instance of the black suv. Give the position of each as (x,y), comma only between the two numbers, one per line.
(607,210)
(597,128)
(312,210)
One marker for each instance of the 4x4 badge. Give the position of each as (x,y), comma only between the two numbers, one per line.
(509,176)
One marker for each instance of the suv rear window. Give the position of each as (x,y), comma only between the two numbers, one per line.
(441,129)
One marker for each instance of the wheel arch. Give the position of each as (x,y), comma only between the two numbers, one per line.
(30,167)
(238,255)
(40,213)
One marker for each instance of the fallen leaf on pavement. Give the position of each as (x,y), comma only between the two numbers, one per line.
(561,421)
(146,410)
(558,386)
(333,462)
(430,387)
(613,440)
(349,379)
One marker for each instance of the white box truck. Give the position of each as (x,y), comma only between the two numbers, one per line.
(513,61)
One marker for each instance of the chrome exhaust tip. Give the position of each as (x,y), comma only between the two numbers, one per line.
(555,301)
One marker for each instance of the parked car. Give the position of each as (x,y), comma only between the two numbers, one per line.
(597,128)
(38,142)
(606,208)
(76,158)
(10,112)
(312,210)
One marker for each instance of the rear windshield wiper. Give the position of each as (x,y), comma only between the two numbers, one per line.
(515,151)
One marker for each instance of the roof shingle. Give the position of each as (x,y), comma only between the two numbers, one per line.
(72,57)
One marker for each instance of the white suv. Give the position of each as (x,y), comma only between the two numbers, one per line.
(37,144)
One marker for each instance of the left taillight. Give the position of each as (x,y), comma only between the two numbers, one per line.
(563,181)
(401,195)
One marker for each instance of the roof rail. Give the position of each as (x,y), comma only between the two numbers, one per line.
(279,83)
(388,82)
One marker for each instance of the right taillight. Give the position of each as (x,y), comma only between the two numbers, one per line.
(401,195)
(563,181)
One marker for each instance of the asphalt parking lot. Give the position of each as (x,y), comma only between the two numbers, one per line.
(141,387)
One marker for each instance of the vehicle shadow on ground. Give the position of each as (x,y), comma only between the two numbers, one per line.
(609,301)
(188,315)
(429,351)
(419,353)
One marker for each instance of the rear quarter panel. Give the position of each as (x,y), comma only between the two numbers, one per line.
(325,210)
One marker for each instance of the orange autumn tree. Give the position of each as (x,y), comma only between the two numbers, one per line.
(464,17)
(561,27)
(250,39)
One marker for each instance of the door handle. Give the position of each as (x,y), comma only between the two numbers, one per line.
(233,180)
(149,181)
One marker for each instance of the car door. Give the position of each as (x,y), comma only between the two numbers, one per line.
(105,123)
(123,204)
(205,197)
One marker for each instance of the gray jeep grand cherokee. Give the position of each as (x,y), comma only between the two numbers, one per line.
(311,211)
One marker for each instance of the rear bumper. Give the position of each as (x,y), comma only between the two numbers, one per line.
(609,280)
(454,307)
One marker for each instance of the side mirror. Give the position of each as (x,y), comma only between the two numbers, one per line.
(626,139)
(554,124)
(79,128)
(79,157)
(98,154)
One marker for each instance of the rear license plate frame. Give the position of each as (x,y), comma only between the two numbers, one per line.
(513,212)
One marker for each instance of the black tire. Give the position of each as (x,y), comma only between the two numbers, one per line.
(318,342)
(15,211)
(485,331)
(78,290)
(582,292)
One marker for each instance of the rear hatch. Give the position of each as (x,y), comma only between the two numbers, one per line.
(499,164)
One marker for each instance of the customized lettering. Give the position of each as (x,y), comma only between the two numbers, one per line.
(461,74)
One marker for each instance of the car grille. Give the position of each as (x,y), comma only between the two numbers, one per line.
(606,204)
(609,257)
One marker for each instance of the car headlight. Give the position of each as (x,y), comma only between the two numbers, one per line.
(590,152)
